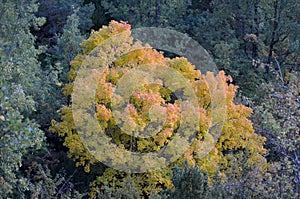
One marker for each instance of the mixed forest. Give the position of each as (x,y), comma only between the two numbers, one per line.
(255,45)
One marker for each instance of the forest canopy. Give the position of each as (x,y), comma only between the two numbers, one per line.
(148,102)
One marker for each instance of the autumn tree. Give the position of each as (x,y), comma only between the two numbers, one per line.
(120,54)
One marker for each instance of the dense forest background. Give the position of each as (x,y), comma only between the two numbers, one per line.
(256,42)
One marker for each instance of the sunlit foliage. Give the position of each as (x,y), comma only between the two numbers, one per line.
(236,136)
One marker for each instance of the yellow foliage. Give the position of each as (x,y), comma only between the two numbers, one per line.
(237,132)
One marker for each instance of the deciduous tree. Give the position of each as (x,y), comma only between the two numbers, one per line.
(236,135)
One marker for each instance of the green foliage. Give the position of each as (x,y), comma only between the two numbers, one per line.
(20,85)
(18,135)
(56,64)
(100,16)
(57,11)
(245,37)
(65,30)
(69,40)
(191,182)
(25,94)
(127,190)
(239,34)
(148,13)
(277,118)
(45,185)
(19,64)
